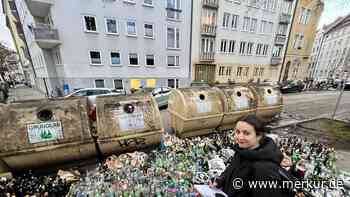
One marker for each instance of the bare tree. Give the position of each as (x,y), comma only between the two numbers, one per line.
(4,53)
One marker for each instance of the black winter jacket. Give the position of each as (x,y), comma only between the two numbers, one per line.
(261,163)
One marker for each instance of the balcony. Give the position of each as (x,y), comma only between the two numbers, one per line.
(214,4)
(285,18)
(207,56)
(39,8)
(280,39)
(46,36)
(208,30)
(275,61)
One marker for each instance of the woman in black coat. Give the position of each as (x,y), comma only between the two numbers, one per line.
(256,158)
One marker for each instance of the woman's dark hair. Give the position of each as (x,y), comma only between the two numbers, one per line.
(259,125)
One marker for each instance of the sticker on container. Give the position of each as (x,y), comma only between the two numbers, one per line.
(271,100)
(131,121)
(43,132)
(203,106)
(241,102)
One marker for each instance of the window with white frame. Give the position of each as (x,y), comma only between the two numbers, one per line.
(173,83)
(277,51)
(253,3)
(261,72)
(111,26)
(118,84)
(263,26)
(246,21)
(223,45)
(253,24)
(173,61)
(95,57)
(150,60)
(99,83)
(148,2)
(242,47)
(221,70)
(115,58)
(239,71)
(173,38)
(207,45)
(131,27)
(265,49)
(282,29)
(130,1)
(259,49)
(228,71)
(250,48)
(58,60)
(270,27)
(226,20)
(264,4)
(90,23)
(234,23)
(256,71)
(133,59)
(231,47)
(246,71)
(149,31)
(173,9)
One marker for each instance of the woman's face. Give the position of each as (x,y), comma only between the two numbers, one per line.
(245,135)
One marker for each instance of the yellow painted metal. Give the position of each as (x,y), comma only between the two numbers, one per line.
(135,83)
(151,83)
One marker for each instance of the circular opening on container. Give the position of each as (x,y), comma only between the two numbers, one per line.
(201,97)
(129,108)
(45,115)
(239,94)
(269,91)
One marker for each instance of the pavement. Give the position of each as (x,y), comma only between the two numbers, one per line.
(22,92)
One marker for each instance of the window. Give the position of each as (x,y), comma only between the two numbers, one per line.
(173,61)
(173,83)
(242,47)
(99,83)
(148,30)
(239,71)
(173,38)
(228,71)
(277,51)
(282,29)
(253,3)
(234,23)
(223,46)
(148,2)
(253,24)
(250,48)
(258,49)
(90,24)
(207,45)
(246,71)
(130,1)
(265,4)
(111,26)
(133,59)
(263,27)
(173,9)
(256,71)
(57,57)
(226,20)
(221,70)
(115,58)
(149,60)
(231,48)
(246,21)
(131,28)
(118,84)
(266,47)
(95,57)
(270,27)
(261,73)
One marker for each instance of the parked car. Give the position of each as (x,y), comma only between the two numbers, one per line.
(292,86)
(160,94)
(93,92)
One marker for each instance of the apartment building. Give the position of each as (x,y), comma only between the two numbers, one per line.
(301,40)
(121,44)
(334,51)
(239,41)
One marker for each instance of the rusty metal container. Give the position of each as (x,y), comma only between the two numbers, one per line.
(269,101)
(44,132)
(126,123)
(195,111)
(238,101)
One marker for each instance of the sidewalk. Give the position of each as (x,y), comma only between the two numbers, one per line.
(21,92)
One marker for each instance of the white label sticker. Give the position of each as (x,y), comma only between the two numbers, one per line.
(43,132)
(203,106)
(271,100)
(131,121)
(241,102)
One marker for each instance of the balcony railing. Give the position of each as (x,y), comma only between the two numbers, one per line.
(39,8)
(207,56)
(280,39)
(46,36)
(208,30)
(211,3)
(285,18)
(275,61)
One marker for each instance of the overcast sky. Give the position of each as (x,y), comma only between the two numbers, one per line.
(333,9)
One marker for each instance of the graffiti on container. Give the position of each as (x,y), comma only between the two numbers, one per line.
(46,131)
(131,121)
(241,102)
(132,142)
(271,99)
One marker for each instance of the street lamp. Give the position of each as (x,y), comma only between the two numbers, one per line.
(345,79)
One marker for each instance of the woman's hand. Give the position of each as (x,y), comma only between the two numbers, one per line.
(213,184)
(286,162)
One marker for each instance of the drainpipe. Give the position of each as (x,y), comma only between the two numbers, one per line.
(190,58)
(285,50)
